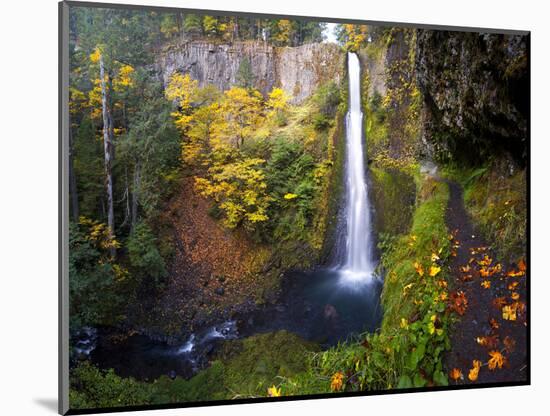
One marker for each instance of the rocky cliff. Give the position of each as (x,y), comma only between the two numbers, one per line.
(298,70)
(475,88)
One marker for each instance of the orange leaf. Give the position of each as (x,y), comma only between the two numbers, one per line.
(474,372)
(419,269)
(336,381)
(499,302)
(496,360)
(509,344)
(458,302)
(490,342)
(486,284)
(455,374)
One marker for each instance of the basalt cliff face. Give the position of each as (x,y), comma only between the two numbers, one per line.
(297,70)
(475,88)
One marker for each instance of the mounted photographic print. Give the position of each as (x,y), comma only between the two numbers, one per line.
(264,208)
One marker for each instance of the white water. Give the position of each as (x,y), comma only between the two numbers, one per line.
(225,330)
(358,264)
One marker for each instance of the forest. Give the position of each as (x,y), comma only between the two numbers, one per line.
(272,207)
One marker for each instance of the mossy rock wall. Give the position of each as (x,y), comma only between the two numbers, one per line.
(392,193)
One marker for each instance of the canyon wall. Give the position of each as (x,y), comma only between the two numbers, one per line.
(298,70)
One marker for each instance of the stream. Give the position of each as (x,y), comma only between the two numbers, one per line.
(326,305)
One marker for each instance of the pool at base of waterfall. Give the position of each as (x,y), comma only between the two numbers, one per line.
(320,306)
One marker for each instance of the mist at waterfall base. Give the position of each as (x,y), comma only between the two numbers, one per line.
(326,305)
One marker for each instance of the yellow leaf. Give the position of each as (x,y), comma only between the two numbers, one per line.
(509,312)
(404,323)
(407,288)
(486,261)
(273,391)
(486,284)
(435,257)
(434,270)
(290,196)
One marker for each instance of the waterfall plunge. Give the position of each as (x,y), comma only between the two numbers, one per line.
(358,264)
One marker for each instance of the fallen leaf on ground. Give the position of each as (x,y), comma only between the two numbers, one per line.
(465,269)
(273,391)
(458,302)
(496,360)
(467,278)
(499,302)
(419,269)
(490,342)
(455,374)
(509,312)
(337,381)
(486,261)
(474,372)
(513,273)
(494,324)
(434,270)
(486,284)
(509,344)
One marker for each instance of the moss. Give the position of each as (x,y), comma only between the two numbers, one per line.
(205,386)
(392,193)
(263,360)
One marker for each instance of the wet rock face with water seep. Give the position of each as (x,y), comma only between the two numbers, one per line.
(298,70)
(475,87)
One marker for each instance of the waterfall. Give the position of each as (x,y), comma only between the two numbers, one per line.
(358,263)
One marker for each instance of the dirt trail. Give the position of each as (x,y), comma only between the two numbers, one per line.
(482,329)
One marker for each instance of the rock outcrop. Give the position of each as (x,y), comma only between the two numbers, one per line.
(298,70)
(475,88)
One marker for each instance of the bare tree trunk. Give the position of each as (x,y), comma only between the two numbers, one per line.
(108,150)
(72,178)
(135,194)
